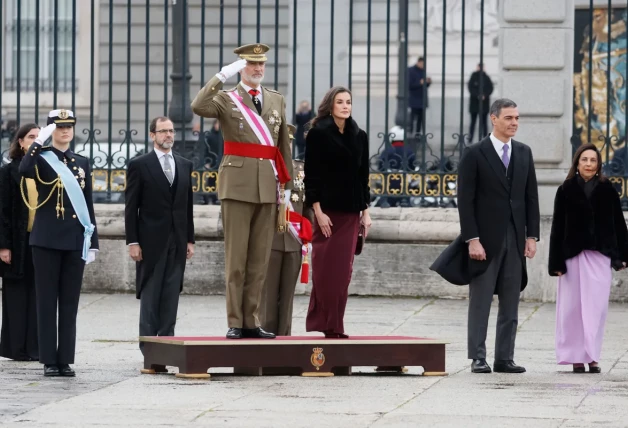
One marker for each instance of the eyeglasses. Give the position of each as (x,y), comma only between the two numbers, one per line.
(166,131)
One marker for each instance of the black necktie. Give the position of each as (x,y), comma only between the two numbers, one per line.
(258,106)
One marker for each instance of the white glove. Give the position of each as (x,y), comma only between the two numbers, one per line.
(286,195)
(91,256)
(45,133)
(231,70)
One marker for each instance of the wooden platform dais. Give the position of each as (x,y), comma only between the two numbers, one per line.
(309,356)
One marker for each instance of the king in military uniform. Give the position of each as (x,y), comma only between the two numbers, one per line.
(251,179)
(289,251)
(63,238)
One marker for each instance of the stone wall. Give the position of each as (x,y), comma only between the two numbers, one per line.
(536,57)
(395,262)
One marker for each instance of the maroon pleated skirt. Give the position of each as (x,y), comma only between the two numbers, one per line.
(332,266)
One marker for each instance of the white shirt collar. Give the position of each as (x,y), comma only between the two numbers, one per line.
(161,154)
(247,88)
(499,145)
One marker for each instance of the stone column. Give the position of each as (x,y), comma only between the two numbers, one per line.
(536,60)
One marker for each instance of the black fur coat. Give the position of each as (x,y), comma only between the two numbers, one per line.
(13,220)
(337,167)
(580,223)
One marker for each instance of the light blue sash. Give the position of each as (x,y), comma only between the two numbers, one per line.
(76,196)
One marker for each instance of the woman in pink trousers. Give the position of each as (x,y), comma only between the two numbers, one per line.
(588,238)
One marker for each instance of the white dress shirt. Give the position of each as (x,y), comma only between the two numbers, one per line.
(499,146)
(260,96)
(160,157)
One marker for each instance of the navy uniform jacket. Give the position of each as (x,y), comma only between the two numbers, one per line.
(65,232)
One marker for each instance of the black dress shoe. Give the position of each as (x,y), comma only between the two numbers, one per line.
(480,366)
(578,369)
(257,333)
(507,366)
(51,370)
(66,370)
(593,369)
(234,333)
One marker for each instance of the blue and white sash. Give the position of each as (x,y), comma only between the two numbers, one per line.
(76,196)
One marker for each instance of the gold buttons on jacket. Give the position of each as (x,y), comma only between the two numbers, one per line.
(73,215)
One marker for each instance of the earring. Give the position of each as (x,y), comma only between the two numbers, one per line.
(577,172)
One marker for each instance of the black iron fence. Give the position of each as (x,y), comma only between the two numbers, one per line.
(119,63)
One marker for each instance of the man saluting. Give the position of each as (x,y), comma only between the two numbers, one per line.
(254,170)
(63,238)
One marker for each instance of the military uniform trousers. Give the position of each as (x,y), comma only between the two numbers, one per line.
(278,293)
(58,278)
(248,229)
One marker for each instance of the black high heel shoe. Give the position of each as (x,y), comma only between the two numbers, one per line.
(578,369)
(595,369)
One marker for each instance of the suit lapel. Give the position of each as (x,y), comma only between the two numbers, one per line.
(493,159)
(266,102)
(155,169)
(520,163)
(179,176)
(246,98)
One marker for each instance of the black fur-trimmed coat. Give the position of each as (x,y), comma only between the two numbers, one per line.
(580,223)
(13,221)
(337,167)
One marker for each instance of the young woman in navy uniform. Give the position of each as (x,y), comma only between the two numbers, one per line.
(63,238)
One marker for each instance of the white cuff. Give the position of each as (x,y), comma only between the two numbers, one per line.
(133,243)
(221,76)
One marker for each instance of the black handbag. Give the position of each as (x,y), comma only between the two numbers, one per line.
(360,243)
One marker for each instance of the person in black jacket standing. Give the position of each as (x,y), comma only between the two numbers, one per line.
(588,237)
(480,89)
(159,227)
(336,186)
(63,239)
(18,340)
(499,216)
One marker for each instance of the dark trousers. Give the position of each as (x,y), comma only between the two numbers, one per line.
(417,118)
(483,129)
(159,299)
(58,278)
(18,339)
(504,276)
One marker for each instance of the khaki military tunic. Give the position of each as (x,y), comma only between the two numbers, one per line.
(284,268)
(247,189)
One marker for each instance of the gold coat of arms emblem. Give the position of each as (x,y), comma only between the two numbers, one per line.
(63,114)
(257,49)
(318,358)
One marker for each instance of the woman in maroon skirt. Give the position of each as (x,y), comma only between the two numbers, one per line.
(336,186)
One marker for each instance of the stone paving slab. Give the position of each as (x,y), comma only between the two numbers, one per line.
(110,392)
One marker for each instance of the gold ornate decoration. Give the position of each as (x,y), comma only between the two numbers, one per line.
(317,358)
(394,184)
(412,178)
